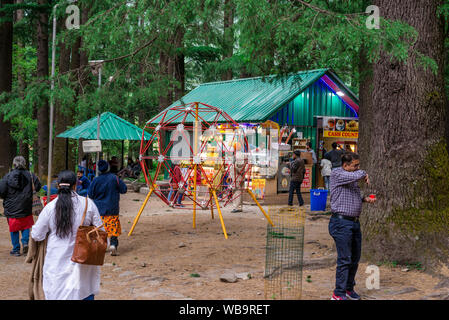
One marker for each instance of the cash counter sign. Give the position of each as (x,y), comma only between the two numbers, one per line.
(340,128)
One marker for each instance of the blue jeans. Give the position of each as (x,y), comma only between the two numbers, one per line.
(15,239)
(327,182)
(295,186)
(91,297)
(172,192)
(348,240)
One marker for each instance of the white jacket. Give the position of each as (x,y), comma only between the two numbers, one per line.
(62,278)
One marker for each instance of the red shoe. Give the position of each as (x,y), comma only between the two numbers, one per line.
(335,297)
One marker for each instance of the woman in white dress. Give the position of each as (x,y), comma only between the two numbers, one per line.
(60,219)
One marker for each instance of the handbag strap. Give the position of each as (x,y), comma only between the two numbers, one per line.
(84,213)
(84,216)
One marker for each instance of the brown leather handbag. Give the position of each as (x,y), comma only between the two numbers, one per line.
(90,244)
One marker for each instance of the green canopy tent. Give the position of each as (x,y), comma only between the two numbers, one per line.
(112,127)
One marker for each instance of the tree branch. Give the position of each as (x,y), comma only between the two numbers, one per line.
(330,13)
(135,52)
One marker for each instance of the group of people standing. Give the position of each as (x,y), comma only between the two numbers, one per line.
(58,222)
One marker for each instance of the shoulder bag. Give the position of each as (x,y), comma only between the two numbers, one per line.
(90,244)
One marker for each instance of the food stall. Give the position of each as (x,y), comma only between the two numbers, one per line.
(293,109)
(342,130)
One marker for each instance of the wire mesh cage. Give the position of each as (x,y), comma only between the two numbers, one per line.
(284,253)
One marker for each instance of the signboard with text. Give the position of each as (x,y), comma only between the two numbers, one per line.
(340,128)
(91,146)
(307,182)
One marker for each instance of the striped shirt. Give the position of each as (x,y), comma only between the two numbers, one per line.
(346,198)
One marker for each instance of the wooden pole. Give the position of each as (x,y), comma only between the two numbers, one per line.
(260,207)
(219,214)
(195,151)
(123,154)
(140,211)
(211,204)
(67,154)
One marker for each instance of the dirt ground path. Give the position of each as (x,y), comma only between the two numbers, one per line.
(165,258)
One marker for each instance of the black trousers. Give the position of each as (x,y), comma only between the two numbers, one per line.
(295,186)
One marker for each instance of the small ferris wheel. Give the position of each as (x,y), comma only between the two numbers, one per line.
(205,154)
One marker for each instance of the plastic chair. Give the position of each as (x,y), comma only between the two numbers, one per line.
(52,197)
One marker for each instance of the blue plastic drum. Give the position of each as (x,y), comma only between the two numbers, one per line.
(318,199)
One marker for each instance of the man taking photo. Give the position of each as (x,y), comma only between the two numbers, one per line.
(344,226)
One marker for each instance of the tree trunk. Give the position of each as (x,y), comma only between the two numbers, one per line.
(179,64)
(404,147)
(63,114)
(228,36)
(21,76)
(43,123)
(24,147)
(6,36)
(164,71)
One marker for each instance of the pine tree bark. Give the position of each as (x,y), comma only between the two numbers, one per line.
(43,122)
(404,145)
(166,72)
(63,113)
(24,148)
(179,64)
(6,37)
(70,59)
(228,36)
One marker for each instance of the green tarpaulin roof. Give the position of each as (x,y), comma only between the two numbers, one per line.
(250,99)
(112,127)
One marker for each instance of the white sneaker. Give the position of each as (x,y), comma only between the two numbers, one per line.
(113,250)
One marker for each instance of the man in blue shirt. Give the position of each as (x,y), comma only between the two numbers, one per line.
(344,226)
(105,191)
(53,186)
(82,184)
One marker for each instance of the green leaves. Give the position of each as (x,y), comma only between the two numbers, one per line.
(266,37)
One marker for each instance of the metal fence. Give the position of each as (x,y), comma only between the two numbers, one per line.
(284,253)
